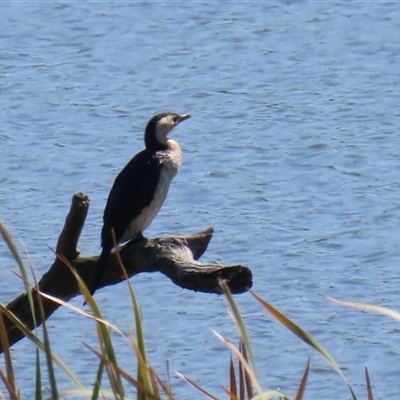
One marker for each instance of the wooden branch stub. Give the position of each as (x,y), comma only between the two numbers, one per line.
(176,257)
(68,240)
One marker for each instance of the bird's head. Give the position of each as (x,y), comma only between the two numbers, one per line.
(158,128)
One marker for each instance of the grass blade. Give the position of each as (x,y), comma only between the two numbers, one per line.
(303,384)
(249,387)
(230,394)
(143,367)
(97,382)
(109,354)
(17,257)
(196,386)
(46,342)
(9,387)
(166,387)
(368,307)
(7,359)
(245,364)
(303,335)
(38,377)
(241,379)
(239,323)
(232,379)
(369,387)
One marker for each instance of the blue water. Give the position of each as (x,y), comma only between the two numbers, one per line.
(292,153)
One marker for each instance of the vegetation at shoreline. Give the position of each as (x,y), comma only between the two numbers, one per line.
(244,383)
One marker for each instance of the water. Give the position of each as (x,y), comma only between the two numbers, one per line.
(292,154)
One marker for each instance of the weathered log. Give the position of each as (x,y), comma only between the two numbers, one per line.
(175,257)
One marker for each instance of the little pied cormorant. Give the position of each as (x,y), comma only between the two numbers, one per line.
(140,189)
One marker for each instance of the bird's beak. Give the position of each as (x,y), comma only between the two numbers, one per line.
(183,118)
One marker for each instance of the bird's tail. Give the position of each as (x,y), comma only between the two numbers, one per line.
(100,269)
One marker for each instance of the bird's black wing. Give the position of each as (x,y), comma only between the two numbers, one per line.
(133,190)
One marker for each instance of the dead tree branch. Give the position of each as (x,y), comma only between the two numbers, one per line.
(176,257)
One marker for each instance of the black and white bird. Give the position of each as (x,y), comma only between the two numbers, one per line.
(140,189)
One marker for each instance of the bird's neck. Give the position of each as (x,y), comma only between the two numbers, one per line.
(175,152)
(152,142)
(172,145)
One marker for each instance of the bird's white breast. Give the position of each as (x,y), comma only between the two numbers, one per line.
(172,159)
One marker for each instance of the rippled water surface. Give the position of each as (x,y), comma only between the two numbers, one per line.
(292,154)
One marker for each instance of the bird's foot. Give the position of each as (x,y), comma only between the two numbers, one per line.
(139,238)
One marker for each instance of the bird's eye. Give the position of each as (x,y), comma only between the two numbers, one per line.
(175,119)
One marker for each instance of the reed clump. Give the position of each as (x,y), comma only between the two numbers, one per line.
(241,368)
